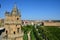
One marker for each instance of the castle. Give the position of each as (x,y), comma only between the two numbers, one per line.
(12,24)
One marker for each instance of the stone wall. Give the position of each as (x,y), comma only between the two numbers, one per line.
(51,23)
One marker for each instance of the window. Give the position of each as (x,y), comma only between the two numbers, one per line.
(17,18)
(6,31)
(14,32)
(18,30)
(16,25)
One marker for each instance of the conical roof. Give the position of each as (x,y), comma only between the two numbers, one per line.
(15,10)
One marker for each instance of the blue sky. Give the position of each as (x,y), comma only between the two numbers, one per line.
(33,9)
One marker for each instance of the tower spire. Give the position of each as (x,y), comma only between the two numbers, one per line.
(15,5)
(15,10)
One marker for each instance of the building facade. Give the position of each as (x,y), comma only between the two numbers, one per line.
(12,24)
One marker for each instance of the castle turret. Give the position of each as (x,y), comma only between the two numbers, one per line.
(12,24)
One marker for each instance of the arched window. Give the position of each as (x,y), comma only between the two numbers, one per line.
(17,18)
(18,30)
(6,31)
(14,32)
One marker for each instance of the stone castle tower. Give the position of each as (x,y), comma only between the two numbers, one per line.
(12,24)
